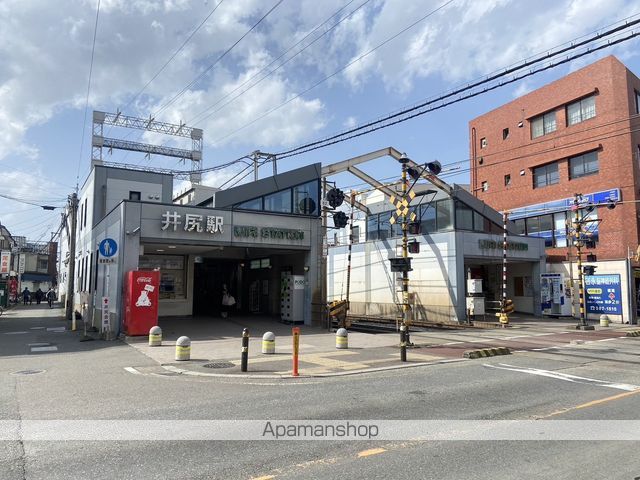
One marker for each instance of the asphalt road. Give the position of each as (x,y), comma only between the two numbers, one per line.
(88,381)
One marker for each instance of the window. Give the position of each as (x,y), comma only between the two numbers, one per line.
(483,142)
(278,202)
(464,217)
(172,273)
(485,186)
(543,124)
(427,218)
(85,213)
(355,234)
(43,264)
(305,198)
(255,204)
(372,227)
(520,227)
(505,133)
(637,101)
(546,175)
(384,225)
(560,229)
(135,196)
(507,180)
(582,165)
(581,110)
(444,214)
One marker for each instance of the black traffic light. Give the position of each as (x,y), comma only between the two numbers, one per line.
(413,247)
(414,228)
(340,220)
(611,204)
(589,270)
(434,167)
(335,197)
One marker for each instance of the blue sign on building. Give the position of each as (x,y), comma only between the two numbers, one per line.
(603,294)
(108,247)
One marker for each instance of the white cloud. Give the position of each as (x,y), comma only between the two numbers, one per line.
(350,122)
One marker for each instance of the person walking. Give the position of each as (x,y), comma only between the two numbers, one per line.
(227,302)
(39,296)
(51,296)
(26,296)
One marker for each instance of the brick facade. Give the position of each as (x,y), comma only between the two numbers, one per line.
(610,133)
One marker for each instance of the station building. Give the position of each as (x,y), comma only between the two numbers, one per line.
(247,237)
(575,138)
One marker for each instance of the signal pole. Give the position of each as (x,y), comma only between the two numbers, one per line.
(582,325)
(406,307)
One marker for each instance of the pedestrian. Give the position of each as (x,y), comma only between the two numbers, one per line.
(227,301)
(51,296)
(26,296)
(39,296)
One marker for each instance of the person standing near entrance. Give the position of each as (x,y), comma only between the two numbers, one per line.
(26,296)
(51,296)
(227,301)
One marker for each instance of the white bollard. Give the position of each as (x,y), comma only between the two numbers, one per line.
(155,336)
(342,338)
(183,348)
(269,343)
(604,320)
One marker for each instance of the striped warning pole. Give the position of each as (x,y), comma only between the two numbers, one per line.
(578,239)
(503,315)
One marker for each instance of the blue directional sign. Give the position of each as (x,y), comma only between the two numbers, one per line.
(603,294)
(108,247)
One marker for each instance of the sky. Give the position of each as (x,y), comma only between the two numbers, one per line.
(265,75)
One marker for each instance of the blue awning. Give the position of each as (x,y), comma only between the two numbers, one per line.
(36,277)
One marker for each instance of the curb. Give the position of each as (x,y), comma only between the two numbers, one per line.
(183,371)
(633,333)
(487,352)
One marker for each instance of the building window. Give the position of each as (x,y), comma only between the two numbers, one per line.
(305,198)
(543,124)
(355,234)
(507,180)
(372,227)
(581,110)
(134,196)
(582,165)
(278,202)
(483,142)
(464,217)
(427,218)
(172,274)
(444,215)
(505,133)
(485,186)
(546,175)
(637,101)
(84,223)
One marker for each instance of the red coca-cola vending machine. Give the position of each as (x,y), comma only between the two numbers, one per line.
(141,301)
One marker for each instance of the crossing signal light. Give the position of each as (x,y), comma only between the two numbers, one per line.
(508,306)
(434,167)
(413,247)
(589,269)
(611,204)
(340,220)
(335,197)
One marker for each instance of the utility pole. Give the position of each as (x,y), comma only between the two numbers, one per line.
(73,209)
(406,307)
(582,325)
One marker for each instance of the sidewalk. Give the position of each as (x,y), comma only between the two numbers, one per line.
(216,346)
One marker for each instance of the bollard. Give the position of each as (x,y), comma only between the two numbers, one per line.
(342,338)
(245,350)
(295,332)
(269,343)
(403,343)
(183,348)
(155,336)
(604,320)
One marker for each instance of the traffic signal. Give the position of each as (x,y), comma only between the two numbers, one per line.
(413,247)
(611,204)
(589,270)
(335,197)
(340,220)
(414,228)
(434,167)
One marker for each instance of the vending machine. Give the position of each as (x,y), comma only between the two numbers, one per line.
(141,301)
(555,297)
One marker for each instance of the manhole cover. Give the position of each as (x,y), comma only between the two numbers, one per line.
(219,365)
(27,372)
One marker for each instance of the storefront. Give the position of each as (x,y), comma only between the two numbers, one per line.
(247,244)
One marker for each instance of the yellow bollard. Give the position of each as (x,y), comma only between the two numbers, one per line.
(155,337)
(183,349)
(342,338)
(269,343)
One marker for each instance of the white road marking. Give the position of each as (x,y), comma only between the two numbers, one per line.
(15,333)
(454,343)
(39,344)
(44,349)
(132,370)
(566,377)
(37,328)
(56,329)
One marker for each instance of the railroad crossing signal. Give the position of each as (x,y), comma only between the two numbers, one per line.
(402,207)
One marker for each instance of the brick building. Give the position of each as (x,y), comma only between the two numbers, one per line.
(577,135)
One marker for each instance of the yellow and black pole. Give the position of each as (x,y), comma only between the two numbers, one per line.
(406,307)
(577,226)
(244,358)
(504,317)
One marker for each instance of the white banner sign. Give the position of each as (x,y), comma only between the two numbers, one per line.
(21,263)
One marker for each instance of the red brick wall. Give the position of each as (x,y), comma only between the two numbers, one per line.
(608,132)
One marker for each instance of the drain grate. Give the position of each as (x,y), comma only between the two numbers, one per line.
(219,365)
(27,372)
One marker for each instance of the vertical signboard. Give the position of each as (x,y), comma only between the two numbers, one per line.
(5,262)
(21,263)
(603,294)
(105,314)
